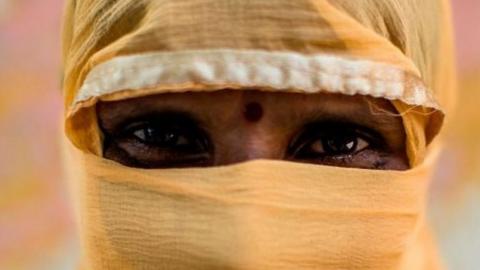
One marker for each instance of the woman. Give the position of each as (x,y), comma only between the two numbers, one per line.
(255,134)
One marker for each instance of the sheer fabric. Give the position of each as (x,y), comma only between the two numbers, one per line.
(259,214)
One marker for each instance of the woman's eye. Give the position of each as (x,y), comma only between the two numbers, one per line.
(164,141)
(336,144)
(341,145)
(166,138)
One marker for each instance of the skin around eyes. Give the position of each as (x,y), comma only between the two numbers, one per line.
(178,130)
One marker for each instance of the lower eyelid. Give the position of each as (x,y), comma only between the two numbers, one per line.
(136,147)
(367,159)
(145,154)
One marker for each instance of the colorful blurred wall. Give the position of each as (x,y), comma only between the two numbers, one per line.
(36,224)
(36,228)
(455,207)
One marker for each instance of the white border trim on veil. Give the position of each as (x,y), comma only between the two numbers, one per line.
(281,71)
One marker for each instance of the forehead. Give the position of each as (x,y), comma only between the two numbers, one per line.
(280,109)
(227,97)
(275,101)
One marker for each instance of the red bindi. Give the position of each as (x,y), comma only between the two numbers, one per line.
(253,112)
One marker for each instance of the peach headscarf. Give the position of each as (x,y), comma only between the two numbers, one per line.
(260,214)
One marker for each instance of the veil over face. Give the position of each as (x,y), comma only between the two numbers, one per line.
(259,214)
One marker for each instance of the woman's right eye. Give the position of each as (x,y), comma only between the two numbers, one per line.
(171,138)
(169,141)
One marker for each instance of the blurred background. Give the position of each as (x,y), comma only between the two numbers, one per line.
(36,225)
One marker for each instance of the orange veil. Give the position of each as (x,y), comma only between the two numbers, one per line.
(259,214)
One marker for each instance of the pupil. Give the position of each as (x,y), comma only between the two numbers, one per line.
(149,134)
(168,138)
(341,145)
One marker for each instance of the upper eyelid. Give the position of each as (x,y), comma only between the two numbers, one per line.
(153,117)
(363,123)
(363,131)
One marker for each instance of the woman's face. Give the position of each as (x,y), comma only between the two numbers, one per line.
(176,130)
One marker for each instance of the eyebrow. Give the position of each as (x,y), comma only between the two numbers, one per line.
(361,117)
(179,115)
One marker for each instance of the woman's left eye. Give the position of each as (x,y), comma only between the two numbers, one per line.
(331,141)
(342,145)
